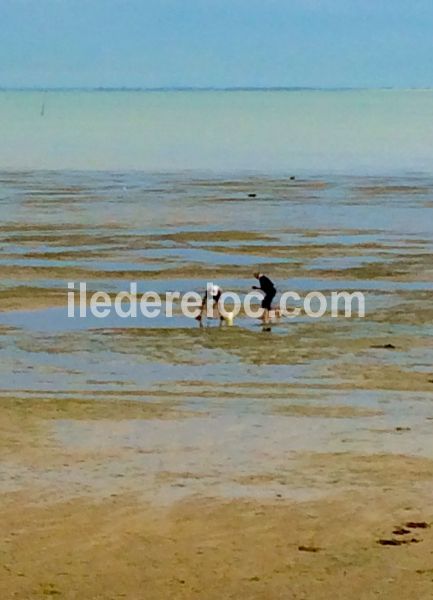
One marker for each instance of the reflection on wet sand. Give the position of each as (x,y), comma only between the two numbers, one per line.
(246,458)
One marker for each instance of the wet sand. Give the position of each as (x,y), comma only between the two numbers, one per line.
(159,460)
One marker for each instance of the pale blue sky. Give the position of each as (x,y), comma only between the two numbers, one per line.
(221,43)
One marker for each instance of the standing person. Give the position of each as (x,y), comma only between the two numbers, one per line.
(269,290)
(215,292)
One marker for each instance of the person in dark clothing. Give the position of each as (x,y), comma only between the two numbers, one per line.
(269,290)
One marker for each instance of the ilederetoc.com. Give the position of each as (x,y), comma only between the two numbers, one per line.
(213,303)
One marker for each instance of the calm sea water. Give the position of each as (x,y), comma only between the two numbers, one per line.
(281,131)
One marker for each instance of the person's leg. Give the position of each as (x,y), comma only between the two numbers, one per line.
(271,299)
(266,307)
(199,317)
(216,310)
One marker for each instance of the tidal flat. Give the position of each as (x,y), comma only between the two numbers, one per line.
(214,462)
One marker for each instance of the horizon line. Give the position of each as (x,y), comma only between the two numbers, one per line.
(208,88)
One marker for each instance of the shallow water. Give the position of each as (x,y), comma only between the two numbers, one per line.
(175,232)
(359,131)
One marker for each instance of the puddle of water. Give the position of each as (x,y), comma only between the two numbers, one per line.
(346,262)
(220,454)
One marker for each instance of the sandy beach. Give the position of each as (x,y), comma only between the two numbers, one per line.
(92,520)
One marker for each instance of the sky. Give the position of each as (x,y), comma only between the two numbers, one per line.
(216,43)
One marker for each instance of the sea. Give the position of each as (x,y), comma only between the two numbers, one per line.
(294,132)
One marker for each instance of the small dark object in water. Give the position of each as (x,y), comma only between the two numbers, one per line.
(403,429)
(308,549)
(252,195)
(292,178)
(417,525)
(401,531)
(386,347)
